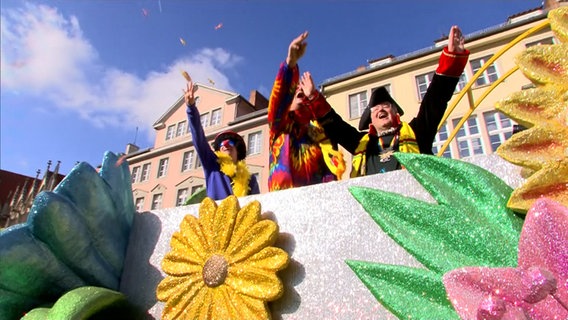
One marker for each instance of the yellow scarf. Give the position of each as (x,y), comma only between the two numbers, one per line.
(238,172)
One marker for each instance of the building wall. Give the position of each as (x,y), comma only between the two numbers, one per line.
(401,76)
(240,115)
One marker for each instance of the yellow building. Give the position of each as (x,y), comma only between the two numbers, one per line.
(166,174)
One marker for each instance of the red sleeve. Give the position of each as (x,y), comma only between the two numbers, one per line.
(319,106)
(452,64)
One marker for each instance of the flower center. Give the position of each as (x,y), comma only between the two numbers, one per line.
(215,271)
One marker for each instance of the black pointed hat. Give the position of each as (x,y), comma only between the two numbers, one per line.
(379,95)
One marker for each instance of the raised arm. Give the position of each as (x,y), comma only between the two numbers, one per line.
(284,87)
(202,147)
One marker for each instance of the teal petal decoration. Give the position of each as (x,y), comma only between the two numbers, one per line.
(75,236)
(408,293)
(469,225)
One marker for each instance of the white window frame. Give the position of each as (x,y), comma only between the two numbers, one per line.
(157,201)
(357,103)
(139,204)
(187,160)
(181,128)
(145,172)
(441,138)
(215,117)
(496,125)
(468,140)
(135,174)
(163,167)
(422,83)
(181,197)
(254,143)
(205,120)
(544,41)
(489,76)
(195,188)
(461,82)
(170,133)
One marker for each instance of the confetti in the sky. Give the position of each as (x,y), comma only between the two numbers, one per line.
(145,12)
(160,5)
(186,75)
(219,26)
(182,41)
(211,81)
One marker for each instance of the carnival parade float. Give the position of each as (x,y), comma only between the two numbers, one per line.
(485,238)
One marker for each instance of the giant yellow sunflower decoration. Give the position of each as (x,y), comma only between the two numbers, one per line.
(542,149)
(222,265)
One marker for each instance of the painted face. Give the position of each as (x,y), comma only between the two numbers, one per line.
(229,147)
(302,113)
(384,116)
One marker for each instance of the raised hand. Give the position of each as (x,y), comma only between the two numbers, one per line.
(456,41)
(307,84)
(189,94)
(297,49)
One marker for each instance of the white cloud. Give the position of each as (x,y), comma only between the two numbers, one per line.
(45,54)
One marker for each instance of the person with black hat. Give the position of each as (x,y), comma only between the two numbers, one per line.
(300,152)
(226,172)
(372,150)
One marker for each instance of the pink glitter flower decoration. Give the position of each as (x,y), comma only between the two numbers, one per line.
(536,289)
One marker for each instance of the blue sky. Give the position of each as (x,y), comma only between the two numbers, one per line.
(78,77)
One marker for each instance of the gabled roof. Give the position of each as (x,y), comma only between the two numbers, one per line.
(179,102)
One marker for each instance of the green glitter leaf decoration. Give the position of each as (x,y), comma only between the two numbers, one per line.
(406,292)
(470,225)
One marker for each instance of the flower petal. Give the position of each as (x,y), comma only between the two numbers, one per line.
(250,308)
(550,182)
(207,210)
(181,245)
(194,235)
(224,305)
(270,259)
(179,264)
(559,23)
(535,106)
(182,296)
(222,227)
(246,219)
(546,64)
(544,241)
(261,235)
(254,283)
(535,147)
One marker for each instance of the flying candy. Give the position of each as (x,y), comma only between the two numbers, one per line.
(219,26)
(211,81)
(145,12)
(182,41)
(186,75)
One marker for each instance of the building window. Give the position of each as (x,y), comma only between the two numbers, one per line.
(197,163)
(187,161)
(139,204)
(181,129)
(171,131)
(499,128)
(257,176)
(145,172)
(215,117)
(357,103)
(135,173)
(469,138)
(163,167)
(196,188)
(422,83)
(157,201)
(181,197)
(549,40)
(205,120)
(461,83)
(441,138)
(489,75)
(254,142)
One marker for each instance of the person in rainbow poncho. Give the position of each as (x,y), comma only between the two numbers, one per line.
(300,152)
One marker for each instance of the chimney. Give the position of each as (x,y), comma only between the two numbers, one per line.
(258,100)
(131,148)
